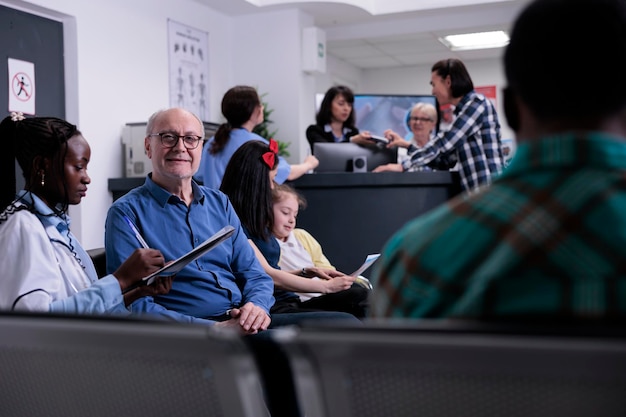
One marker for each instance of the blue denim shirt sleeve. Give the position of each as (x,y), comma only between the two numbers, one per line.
(284,169)
(146,305)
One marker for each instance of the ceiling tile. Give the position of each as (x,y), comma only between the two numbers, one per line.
(362,50)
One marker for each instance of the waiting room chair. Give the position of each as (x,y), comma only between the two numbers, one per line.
(98,257)
(57,366)
(428,369)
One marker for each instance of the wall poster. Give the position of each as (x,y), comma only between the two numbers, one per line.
(489,91)
(188,68)
(509,145)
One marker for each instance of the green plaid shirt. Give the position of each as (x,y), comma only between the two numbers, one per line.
(547,238)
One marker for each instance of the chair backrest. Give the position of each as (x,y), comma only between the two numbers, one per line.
(72,366)
(424,370)
(99,259)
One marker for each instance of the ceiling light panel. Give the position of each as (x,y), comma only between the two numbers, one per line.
(480,40)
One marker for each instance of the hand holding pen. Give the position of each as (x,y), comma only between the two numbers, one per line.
(131,274)
(136,233)
(140,264)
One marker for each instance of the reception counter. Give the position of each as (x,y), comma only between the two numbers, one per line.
(353,214)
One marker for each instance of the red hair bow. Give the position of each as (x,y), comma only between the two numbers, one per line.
(270,157)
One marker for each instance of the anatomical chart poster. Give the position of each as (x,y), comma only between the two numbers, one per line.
(188,68)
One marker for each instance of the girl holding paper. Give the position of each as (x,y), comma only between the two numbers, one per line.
(248,182)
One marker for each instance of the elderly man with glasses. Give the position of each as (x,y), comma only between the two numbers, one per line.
(175,214)
(171,212)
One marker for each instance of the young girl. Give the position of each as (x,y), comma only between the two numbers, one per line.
(248,182)
(297,246)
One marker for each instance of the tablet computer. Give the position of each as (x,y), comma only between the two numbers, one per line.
(177,265)
(379,139)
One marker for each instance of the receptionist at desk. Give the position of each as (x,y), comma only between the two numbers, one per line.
(336,120)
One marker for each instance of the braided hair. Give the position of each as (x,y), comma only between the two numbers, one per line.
(35,139)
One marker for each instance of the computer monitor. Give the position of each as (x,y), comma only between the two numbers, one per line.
(379,112)
(350,157)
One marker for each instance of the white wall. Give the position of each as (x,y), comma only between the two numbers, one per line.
(339,72)
(269,58)
(122,76)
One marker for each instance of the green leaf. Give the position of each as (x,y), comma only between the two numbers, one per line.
(282,148)
(263,128)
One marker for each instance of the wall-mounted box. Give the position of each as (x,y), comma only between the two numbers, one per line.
(313,50)
(136,162)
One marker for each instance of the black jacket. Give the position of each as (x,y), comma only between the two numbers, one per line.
(315,133)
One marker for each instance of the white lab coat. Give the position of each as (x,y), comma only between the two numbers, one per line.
(40,273)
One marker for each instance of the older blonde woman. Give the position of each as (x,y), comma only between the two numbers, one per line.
(421,121)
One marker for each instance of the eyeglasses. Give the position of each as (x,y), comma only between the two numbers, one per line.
(169,140)
(420,119)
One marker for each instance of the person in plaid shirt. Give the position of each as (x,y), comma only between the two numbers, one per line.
(475,132)
(548,237)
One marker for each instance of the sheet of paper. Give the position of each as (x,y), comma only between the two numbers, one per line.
(369,260)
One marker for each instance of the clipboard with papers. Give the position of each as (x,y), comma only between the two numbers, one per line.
(177,265)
